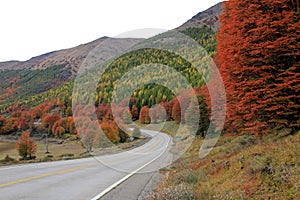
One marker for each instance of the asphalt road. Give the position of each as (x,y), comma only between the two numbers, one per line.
(89,178)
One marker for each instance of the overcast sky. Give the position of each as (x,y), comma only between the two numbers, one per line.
(33,27)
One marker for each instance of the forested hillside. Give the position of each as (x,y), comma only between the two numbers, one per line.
(257,52)
(258,55)
(23,83)
(58,101)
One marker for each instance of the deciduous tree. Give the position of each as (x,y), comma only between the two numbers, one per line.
(144,115)
(259,54)
(25,146)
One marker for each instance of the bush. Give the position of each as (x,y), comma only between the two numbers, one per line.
(25,147)
(192,177)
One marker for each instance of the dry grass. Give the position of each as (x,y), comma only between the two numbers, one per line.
(59,150)
(240,168)
(65,150)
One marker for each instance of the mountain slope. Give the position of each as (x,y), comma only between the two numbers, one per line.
(70,59)
(209,17)
(21,81)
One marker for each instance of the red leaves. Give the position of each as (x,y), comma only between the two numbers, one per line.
(25,146)
(144,115)
(48,120)
(176,111)
(134,112)
(111,131)
(258,60)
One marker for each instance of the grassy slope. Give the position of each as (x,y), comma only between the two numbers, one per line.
(238,168)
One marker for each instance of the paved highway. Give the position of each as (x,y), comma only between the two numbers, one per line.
(89,178)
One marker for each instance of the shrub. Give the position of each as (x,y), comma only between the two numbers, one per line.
(192,177)
(26,147)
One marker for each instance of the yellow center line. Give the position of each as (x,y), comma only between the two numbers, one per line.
(75,168)
(152,147)
(47,174)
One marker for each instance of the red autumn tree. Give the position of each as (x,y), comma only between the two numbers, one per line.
(25,146)
(168,108)
(144,115)
(176,111)
(48,120)
(24,120)
(180,105)
(8,125)
(2,123)
(70,126)
(259,55)
(56,128)
(134,112)
(111,131)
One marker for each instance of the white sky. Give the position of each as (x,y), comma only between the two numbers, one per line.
(33,27)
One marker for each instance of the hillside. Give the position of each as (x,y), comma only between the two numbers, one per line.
(41,88)
(239,167)
(22,81)
(73,57)
(209,17)
(69,59)
(257,155)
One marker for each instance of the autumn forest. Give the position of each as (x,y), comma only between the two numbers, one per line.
(256,51)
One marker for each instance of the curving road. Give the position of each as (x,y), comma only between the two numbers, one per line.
(89,178)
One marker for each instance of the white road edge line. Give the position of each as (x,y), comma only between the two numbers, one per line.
(127,176)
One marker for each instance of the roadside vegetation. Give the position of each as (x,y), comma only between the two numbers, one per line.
(239,167)
(42,111)
(257,157)
(59,149)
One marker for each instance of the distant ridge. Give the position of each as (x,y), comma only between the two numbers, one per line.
(72,58)
(209,17)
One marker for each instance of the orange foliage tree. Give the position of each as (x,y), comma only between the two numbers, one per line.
(168,108)
(25,146)
(48,120)
(176,111)
(134,112)
(111,131)
(259,55)
(144,115)
(2,123)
